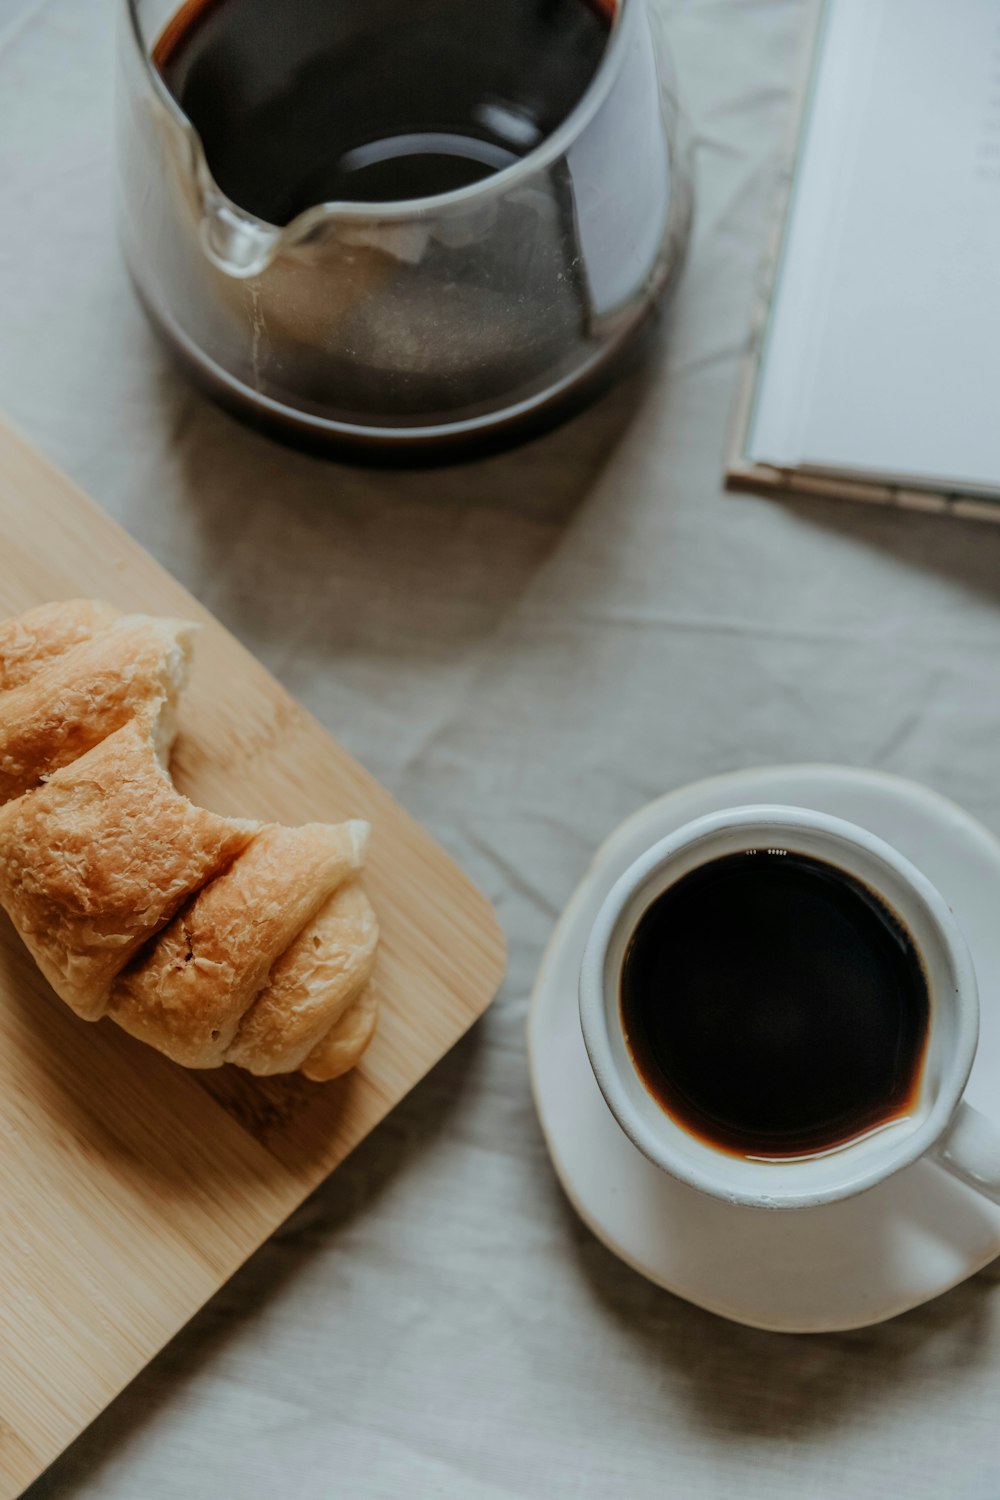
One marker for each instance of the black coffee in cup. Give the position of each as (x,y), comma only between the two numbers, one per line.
(774,1006)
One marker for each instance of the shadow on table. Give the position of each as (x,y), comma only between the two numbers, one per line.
(297,552)
(743,1382)
(421,1118)
(962,551)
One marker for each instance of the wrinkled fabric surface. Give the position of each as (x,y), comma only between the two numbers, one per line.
(524,651)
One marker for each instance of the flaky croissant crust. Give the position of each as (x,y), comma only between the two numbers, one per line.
(213,939)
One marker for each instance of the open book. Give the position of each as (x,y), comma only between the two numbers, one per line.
(876,371)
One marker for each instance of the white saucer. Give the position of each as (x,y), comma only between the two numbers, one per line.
(802,1270)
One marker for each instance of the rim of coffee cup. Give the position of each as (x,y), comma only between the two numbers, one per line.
(953,1027)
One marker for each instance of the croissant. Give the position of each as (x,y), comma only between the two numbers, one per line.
(213,939)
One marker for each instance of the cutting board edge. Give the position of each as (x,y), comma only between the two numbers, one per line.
(485,957)
(307,1189)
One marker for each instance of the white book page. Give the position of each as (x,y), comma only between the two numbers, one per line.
(883,352)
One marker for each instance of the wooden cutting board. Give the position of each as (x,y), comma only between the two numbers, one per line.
(130,1189)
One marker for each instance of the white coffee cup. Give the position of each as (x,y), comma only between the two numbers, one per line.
(940,1125)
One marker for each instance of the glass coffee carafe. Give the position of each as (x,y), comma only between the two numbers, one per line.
(307,297)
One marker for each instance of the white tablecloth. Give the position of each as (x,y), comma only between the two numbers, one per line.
(524,650)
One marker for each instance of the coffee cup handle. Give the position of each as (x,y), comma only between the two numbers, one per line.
(970,1151)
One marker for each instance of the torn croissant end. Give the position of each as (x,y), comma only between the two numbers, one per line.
(133,670)
(213,939)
